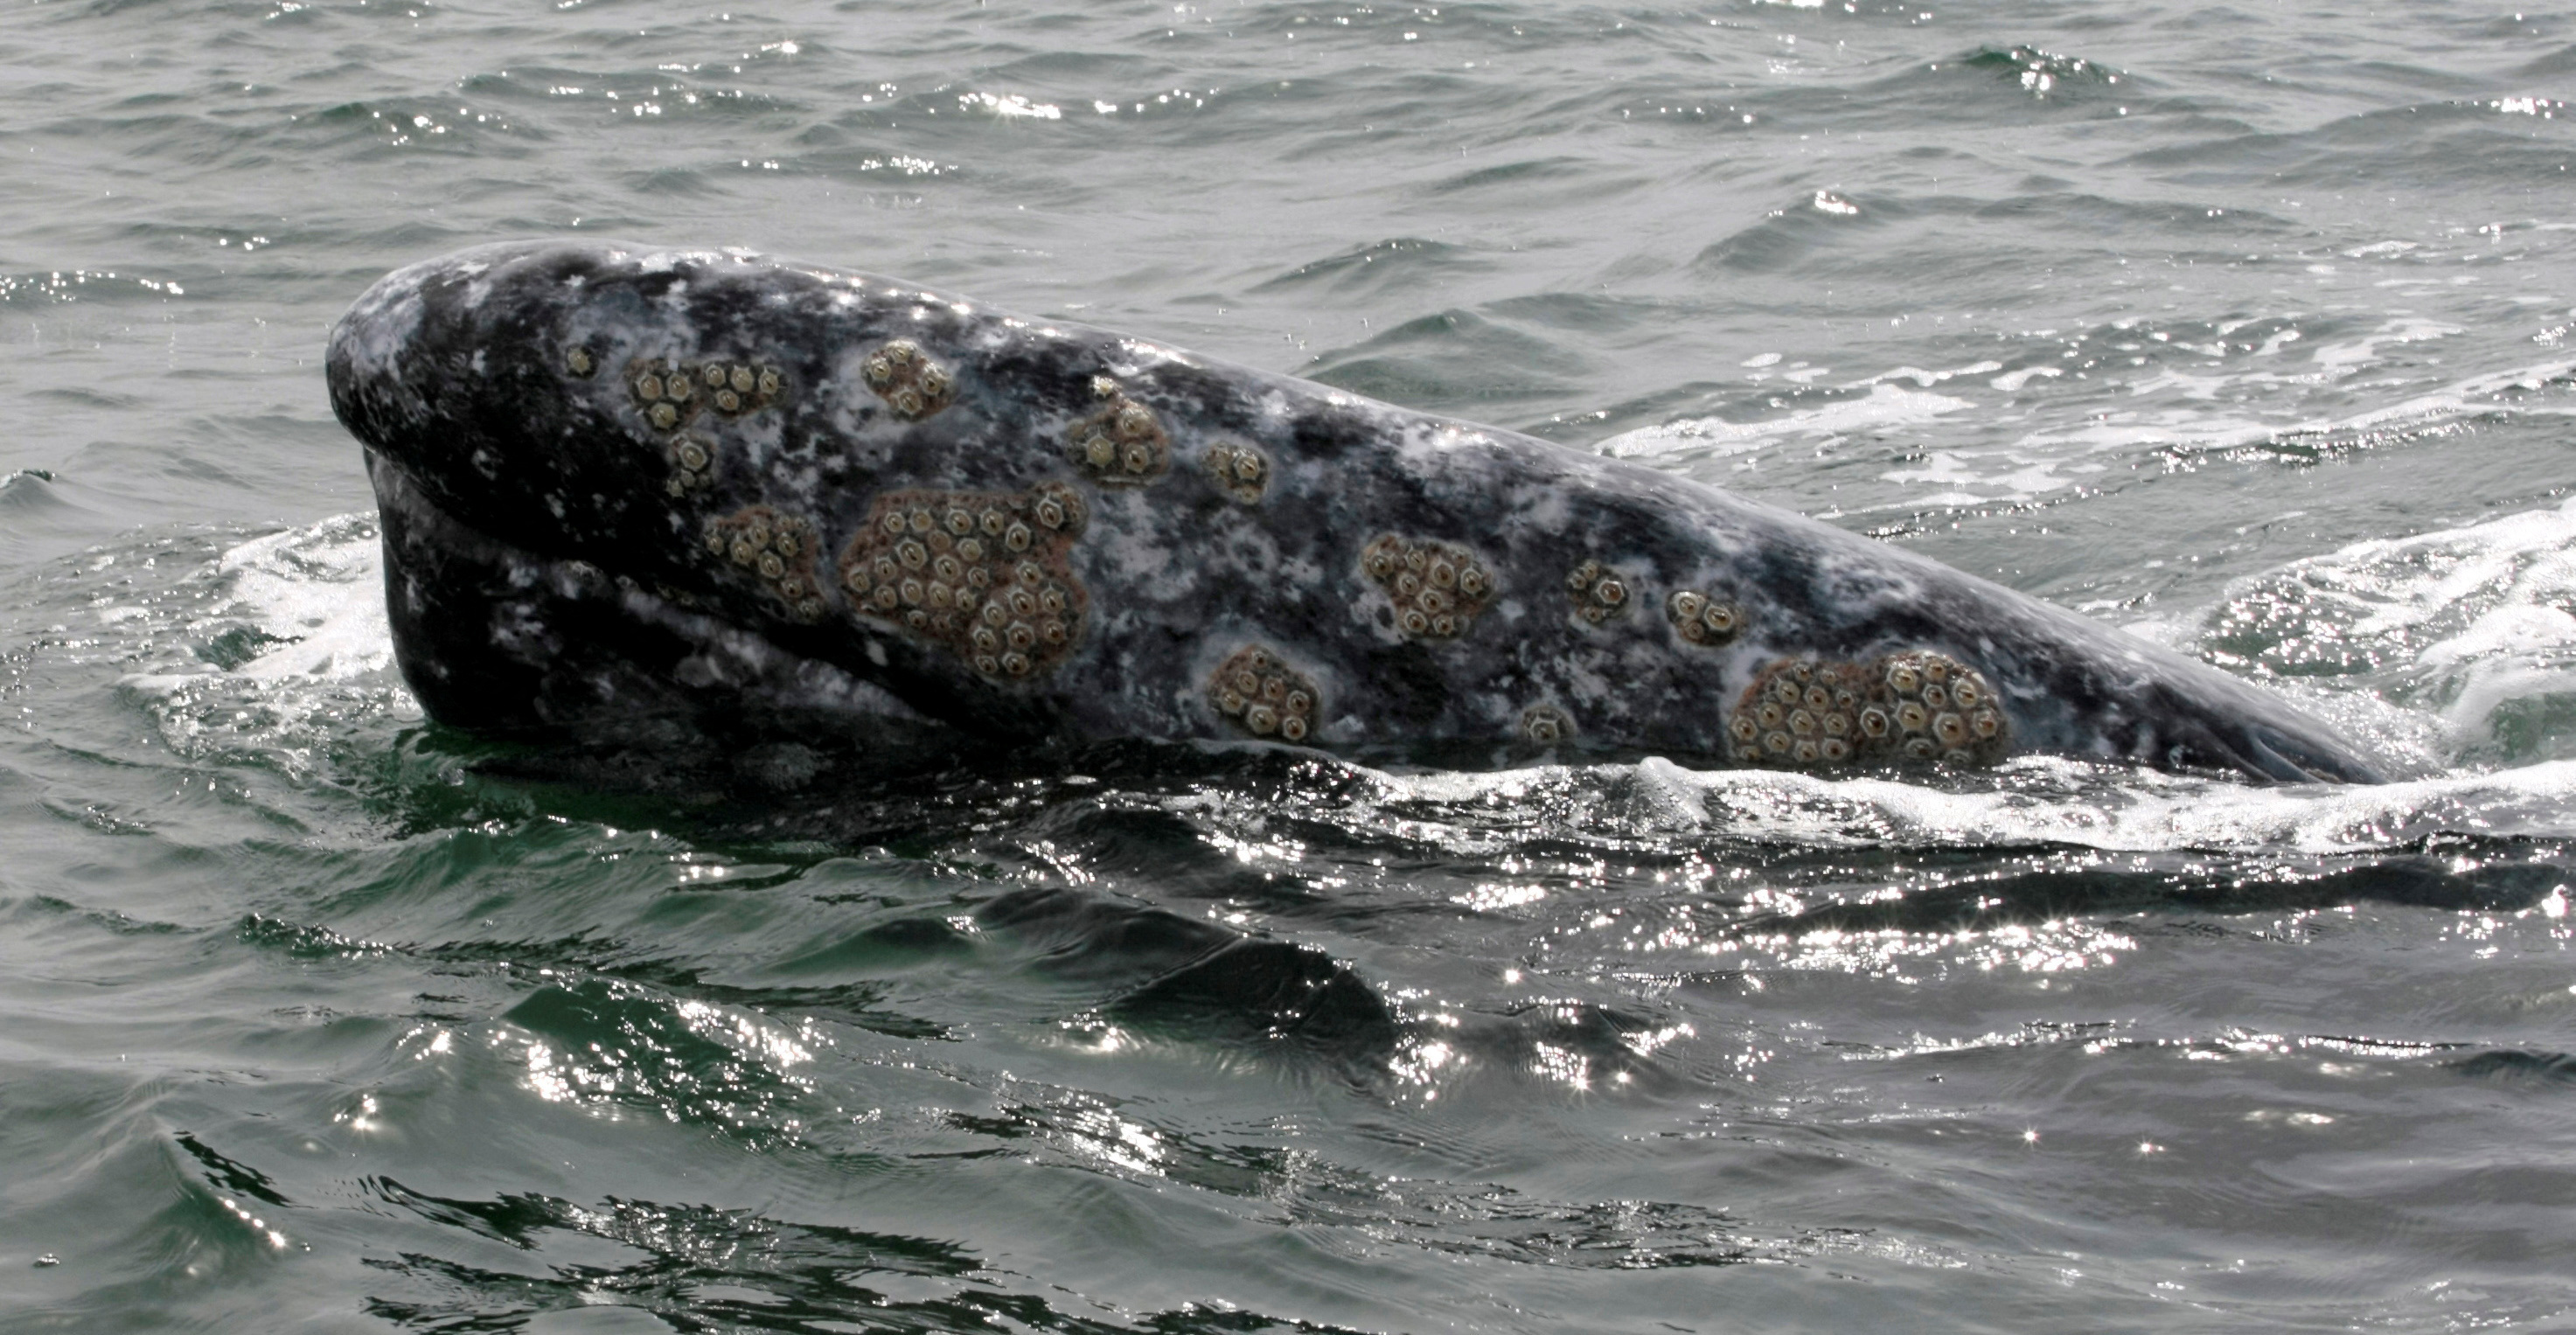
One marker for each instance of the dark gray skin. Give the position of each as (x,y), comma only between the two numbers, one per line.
(546,574)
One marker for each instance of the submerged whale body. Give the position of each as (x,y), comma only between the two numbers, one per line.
(671,494)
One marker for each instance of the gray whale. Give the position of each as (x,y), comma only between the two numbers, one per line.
(664,494)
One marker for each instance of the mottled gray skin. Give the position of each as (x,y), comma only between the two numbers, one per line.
(541,576)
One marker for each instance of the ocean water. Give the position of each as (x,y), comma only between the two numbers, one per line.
(2246,326)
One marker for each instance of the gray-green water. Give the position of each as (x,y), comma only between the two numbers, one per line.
(2244,325)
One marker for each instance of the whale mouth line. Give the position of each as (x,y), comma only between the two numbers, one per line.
(2280,757)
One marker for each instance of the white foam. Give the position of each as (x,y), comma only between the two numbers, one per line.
(1885,405)
(2046,800)
(320,590)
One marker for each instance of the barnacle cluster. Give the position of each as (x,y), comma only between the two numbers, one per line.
(1240,471)
(777,549)
(671,393)
(908,379)
(1437,587)
(1599,592)
(1916,707)
(693,463)
(1939,708)
(1264,696)
(579,362)
(1546,725)
(983,574)
(1121,442)
(1703,618)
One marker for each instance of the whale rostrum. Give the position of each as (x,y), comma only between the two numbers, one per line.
(630,488)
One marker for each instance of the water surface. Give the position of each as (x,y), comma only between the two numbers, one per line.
(2242,326)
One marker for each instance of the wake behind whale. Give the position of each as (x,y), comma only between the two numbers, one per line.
(652,494)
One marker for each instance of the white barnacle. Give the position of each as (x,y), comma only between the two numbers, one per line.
(1134,422)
